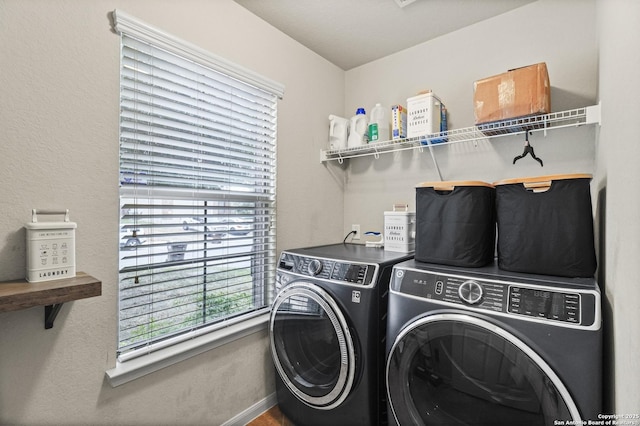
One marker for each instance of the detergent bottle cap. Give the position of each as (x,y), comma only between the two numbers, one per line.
(360,111)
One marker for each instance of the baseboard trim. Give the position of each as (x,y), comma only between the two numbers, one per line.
(252,412)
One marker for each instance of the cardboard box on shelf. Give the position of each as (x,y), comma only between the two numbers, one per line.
(516,93)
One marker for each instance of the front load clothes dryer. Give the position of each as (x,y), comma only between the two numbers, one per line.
(482,346)
(327,331)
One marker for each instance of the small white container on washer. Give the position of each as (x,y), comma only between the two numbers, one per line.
(400,231)
(50,247)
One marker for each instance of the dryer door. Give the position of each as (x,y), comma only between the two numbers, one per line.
(312,347)
(457,369)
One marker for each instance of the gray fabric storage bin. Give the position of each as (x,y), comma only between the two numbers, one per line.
(545,225)
(455,223)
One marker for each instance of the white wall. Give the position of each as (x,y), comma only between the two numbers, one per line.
(560,33)
(619,199)
(59,76)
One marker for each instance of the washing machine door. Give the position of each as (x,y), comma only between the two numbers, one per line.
(457,369)
(311,345)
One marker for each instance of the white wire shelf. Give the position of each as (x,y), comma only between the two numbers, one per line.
(555,120)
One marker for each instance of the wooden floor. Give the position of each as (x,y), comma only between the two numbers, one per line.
(271,417)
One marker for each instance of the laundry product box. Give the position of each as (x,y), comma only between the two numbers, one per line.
(398,122)
(400,231)
(516,93)
(455,223)
(545,225)
(424,116)
(443,125)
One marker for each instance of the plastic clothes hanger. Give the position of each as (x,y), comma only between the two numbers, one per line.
(528,149)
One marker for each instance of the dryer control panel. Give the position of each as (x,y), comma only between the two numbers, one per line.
(559,306)
(542,303)
(328,269)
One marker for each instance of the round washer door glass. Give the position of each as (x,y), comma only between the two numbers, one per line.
(456,369)
(311,345)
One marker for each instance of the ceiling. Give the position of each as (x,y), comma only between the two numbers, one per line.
(350,33)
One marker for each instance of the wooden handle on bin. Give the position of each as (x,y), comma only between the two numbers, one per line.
(450,185)
(542,183)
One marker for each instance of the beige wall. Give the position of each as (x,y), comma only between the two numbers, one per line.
(59,79)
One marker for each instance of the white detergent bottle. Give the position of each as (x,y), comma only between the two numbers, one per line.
(338,132)
(358,129)
(379,128)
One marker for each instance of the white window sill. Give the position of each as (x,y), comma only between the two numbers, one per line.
(135,368)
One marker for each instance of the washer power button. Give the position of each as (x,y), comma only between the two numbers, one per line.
(470,292)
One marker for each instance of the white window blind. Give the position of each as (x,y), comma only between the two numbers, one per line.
(197,190)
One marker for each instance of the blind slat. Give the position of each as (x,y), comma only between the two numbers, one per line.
(146,59)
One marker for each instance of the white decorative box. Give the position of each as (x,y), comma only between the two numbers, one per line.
(400,231)
(50,247)
(424,115)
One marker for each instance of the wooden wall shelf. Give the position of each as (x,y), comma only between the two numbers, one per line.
(21,294)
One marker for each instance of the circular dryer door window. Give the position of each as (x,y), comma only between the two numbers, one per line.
(457,369)
(312,347)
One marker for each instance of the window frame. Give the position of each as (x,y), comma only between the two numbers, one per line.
(199,340)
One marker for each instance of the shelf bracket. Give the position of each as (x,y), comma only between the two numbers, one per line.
(433,158)
(50,314)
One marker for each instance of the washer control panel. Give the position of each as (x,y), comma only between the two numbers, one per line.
(328,269)
(556,304)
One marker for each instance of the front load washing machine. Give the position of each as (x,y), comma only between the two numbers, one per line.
(483,346)
(327,333)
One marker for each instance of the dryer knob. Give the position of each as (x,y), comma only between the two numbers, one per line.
(470,292)
(315,267)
